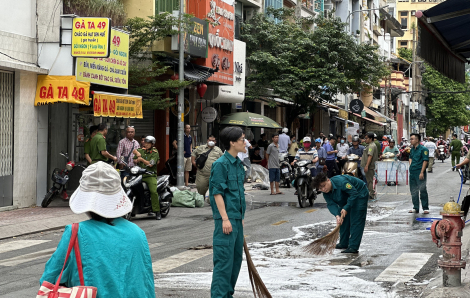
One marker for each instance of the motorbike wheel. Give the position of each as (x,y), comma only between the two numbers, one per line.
(302,200)
(312,198)
(165,213)
(48,198)
(442,160)
(288,182)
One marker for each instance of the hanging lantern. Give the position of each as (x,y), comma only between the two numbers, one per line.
(175,77)
(201,89)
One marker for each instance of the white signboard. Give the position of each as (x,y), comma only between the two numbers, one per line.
(209,114)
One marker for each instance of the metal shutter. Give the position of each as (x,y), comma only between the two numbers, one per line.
(6,138)
(144,126)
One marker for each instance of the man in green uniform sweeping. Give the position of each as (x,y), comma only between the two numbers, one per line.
(148,158)
(419,158)
(346,198)
(227,197)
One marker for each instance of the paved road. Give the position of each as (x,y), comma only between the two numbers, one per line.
(397,257)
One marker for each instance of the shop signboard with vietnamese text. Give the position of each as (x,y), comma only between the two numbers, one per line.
(112,71)
(91,37)
(221,16)
(195,40)
(53,89)
(117,105)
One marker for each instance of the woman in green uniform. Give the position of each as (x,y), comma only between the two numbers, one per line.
(346,198)
(147,157)
(227,196)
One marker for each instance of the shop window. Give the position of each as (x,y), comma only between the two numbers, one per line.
(274,4)
(404,20)
(166,6)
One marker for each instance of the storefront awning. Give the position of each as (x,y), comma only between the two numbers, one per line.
(444,38)
(192,72)
(374,114)
(370,120)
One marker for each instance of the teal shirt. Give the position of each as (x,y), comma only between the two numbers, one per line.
(227,177)
(116,260)
(418,155)
(394,151)
(346,191)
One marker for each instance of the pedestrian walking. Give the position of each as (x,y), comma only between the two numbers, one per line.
(211,153)
(455,146)
(86,147)
(148,158)
(245,158)
(321,155)
(227,196)
(284,141)
(125,150)
(346,198)
(188,150)
(369,157)
(272,156)
(331,161)
(115,254)
(432,149)
(419,157)
(98,150)
(342,149)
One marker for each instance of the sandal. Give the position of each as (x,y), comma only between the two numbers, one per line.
(413,211)
(279,193)
(273,194)
(426,212)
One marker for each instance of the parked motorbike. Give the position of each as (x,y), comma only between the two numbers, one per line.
(441,150)
(286,170)
(64,181)
(139,193)
(351,167)
(303,183)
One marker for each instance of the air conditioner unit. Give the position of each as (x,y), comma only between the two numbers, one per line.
(413,12)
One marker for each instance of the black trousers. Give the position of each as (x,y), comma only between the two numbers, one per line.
(333,169)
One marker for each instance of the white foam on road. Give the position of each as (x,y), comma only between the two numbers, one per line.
(288,272)
(178,260)
(405,267)
(19,244)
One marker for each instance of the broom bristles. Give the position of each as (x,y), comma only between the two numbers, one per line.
(257,284)
(324,245)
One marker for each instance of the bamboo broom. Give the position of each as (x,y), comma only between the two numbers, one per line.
(324,245)
(259,288)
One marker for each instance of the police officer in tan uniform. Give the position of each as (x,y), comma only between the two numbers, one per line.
(203,175)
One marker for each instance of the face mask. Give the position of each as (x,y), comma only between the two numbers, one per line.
(210,144)
(306,145)
(293,141)
(342,141)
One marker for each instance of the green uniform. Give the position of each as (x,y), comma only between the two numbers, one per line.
(370,150)
(418,156)
(379,146)
(351,194)
(97,144)
(151,180)
(202,176)
(227,177)
(86,148)
(456,145)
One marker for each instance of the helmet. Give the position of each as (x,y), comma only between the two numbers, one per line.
(318,140)
(70,165)
(285,130)
(392,141)
(384,138)
(330,135)
(150,139)
(375,136)
(355,139)
(307,139)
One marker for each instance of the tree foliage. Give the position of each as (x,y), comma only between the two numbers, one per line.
(303,65)
(146,67)
(406,53)
(445,110)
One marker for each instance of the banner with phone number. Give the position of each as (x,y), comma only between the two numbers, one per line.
(53,89)
(117,105)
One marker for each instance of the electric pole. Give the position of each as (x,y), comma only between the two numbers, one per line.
(180,153)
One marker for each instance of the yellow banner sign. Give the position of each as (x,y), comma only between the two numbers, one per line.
(343,114)
(52,89)
(117,105)
(112,71)
(90,37)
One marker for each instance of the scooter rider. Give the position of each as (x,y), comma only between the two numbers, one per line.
(148,158)
(307,153)
(358,150)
